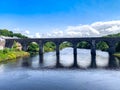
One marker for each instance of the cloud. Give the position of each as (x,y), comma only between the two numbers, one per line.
(23,31)
(96,29)
(37,35)
(26,32)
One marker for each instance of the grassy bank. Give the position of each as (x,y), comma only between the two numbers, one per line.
(9,54)
(117,55)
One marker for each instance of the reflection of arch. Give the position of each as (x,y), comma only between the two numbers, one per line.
(62,45)
(48,46)
(26,62)
(83,47)
(102,55)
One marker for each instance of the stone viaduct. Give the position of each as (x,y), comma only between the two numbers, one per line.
(91,40)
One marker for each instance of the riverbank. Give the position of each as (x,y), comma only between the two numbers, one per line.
(117,55)
(10,54)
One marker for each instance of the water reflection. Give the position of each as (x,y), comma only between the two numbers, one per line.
(84,58)
(18,75)
(66,59)
(102,58)
(49,59)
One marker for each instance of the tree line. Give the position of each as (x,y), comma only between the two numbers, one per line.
(7,33)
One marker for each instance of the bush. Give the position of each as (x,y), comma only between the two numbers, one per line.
(6,50)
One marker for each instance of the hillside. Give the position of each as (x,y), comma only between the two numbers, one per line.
(7,33)
(113,35)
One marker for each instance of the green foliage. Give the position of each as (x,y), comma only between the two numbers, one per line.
(5,32)
(9,54)
(49,46)
(65,44)
(118,44)
(19,35)
(14,45)
(6,50)
(113,35)
(83,44)
(33,48)
(102,46)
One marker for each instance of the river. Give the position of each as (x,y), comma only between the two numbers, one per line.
(26,73)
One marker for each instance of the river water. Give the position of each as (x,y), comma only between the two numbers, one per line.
(26,74)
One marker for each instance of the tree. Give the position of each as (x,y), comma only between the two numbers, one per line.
(33,47)
(5,32)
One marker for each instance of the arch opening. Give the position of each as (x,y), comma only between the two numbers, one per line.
(102,56)
(32,48)
(49,49)
(117,53)
(66,54)
(83,54)
(17,46)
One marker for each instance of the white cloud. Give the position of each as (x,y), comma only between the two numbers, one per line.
(26,32)
(22,31)
(95,29)
(37,35)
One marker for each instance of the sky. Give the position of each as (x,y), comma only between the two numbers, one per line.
(60,18)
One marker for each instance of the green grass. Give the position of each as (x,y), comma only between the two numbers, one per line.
(117,55)
(10,54)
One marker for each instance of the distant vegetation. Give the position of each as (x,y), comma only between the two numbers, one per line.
(113,35)
(7,33)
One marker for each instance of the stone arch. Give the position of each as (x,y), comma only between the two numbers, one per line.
(32,47)
(49,48)
(102,55)
(84,44)
(65,44)
(102,45)
(116,54)
(66,54)
(83,54)
(8,43)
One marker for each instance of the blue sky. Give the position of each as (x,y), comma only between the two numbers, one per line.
(42,16)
